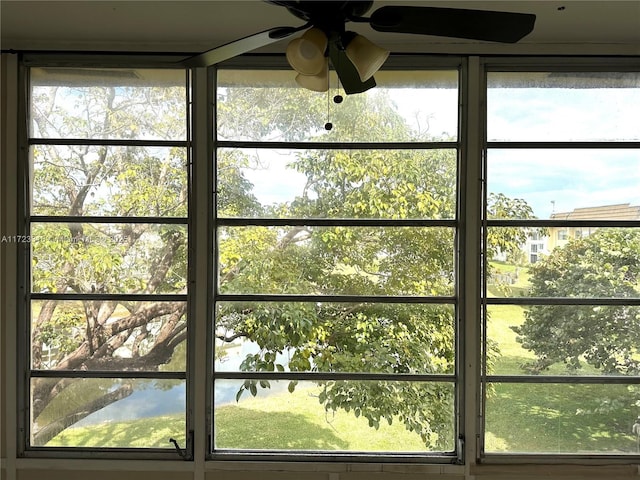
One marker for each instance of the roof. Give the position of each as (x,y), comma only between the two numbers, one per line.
(621,211)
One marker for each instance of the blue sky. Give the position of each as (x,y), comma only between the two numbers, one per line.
(570,178)
(561,180)
(549,180)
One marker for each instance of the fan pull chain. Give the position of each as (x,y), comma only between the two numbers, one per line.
(337,98)
(328,126)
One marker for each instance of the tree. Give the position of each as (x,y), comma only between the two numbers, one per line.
(360,337)
(119,181)
(605,264)
(145,258)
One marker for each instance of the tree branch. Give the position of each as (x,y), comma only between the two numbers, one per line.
(46,433)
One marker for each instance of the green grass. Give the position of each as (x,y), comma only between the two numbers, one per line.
(549,417)
(298,421)
(519,417)
(557,418)
(151,432)
(294,421)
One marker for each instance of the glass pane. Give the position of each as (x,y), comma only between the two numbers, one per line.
(128,104)
(334,337)
(265,105)
(337,183)
(567,184)
(558,261)
(336,260)
(362,416)
(108,258)
(556,418)
(108,180)
(125,413)
(108,335)
(563,340)
(563,106)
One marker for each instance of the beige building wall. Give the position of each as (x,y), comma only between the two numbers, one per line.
(559,236)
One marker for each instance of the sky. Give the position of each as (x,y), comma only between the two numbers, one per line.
(549,180)
(561,180)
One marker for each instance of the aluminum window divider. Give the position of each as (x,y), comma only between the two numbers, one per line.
(108,142)
(111,453)
(576,145)
(115,220)
(23,360)
(564,223)
(143,297)
(470,124)
(229,297)
(356,457)
(299,145)
(211,248)
(566,379)
(133,374)
(531,301)
(561,63)
(327,222)
(339,376)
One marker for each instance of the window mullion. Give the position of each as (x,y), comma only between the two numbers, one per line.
(470,285)
(201,256)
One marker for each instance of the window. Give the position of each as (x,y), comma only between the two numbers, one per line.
(107,257)
(562,351)
(358,295)
(336,268)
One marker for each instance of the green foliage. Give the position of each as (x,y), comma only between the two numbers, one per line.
(119,181)
(372,338)
(606,264)
(508,240)
(143,258)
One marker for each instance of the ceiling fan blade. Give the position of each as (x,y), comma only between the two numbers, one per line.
(238,47)
(488,25)
(347,73)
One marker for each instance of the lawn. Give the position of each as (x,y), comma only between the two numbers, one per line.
(298,421)
(294,421)
(548,417)
(153,432)
(519,417)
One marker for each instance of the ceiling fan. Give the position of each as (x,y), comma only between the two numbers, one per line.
(354,58)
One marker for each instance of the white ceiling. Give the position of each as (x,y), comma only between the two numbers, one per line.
(193,26)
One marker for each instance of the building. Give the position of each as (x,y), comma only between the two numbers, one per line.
(560,236)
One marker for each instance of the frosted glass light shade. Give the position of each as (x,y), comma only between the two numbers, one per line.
(306,54)
(317,83)
(366,56)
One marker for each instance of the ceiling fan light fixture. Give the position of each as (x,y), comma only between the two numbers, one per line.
(366,56)
(316,83)
(306,54)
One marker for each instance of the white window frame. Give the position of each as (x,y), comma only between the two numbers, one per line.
(472,147)
(393,63)
(24,270)
(539,64)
